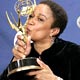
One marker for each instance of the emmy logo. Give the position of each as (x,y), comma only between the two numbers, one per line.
(78,21)
(22,8)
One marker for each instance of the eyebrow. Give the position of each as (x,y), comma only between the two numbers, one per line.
(40,15)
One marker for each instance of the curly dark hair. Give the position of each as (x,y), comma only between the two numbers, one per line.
(59,15)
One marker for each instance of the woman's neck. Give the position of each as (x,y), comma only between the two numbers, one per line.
(41,46)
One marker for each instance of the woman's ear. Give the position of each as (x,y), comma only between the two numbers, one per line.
(54,31)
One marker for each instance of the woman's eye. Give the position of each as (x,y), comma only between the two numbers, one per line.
(31,16)
(40,19)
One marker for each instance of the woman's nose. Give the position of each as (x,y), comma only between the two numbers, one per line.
(31,21)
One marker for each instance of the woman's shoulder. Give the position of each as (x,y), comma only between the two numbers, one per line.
(70,47)
(68,43)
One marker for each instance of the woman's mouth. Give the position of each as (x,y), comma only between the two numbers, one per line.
(28,31)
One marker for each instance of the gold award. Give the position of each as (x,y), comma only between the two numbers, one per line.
(22,8)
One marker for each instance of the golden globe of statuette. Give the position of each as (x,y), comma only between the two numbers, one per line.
(24,7)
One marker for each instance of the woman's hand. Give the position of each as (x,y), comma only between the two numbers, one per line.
(21,49)
(44,74)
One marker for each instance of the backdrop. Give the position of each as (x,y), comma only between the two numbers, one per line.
(72,32)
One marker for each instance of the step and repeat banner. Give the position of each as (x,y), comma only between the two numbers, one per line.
(72,32)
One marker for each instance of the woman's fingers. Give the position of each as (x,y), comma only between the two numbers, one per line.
(28,45)
(42,64)
(21,48)
(17,54)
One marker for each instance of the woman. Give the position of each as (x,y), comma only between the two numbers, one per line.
(57,58)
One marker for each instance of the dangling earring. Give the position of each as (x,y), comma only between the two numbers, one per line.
(52,41)
(51,37)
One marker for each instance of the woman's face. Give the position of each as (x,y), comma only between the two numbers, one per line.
(39,23)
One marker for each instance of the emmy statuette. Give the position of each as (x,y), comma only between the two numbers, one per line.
(18,68)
